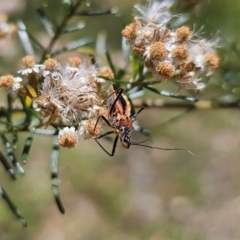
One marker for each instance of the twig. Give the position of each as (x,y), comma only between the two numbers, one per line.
(60,30)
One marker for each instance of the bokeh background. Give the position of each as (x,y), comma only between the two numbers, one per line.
(139,193)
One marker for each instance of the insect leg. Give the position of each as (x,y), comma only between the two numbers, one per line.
(116,91)
(119,93)
(104,134)
(113,148)
(104,119)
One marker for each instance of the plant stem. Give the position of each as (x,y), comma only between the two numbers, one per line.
(60,29)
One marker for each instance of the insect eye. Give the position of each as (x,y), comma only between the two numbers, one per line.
(122,129)
(126,142)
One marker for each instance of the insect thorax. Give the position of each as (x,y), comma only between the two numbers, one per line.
(120,120)
(123,128)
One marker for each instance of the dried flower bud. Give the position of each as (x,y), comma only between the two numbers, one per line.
(31,69)
(211,60)
(183,34)
(87,128)
(28,61)
(68,137)
(181,52)
(103,111)
(106,72)
(90,128)
(157,50)
(5,27)
(165,69)
(139,50)
(6,81)
(10,82)
(74,61)
(170,53)
(51,64)
(129,32)
(52,68)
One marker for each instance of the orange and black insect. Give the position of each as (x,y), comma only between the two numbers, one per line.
(121,121)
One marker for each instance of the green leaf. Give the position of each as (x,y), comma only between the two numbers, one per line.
(236,90)
(96,13)
(11,155)
(12,206)
(75,28)
(35,41)
(15,139)
(134,66)
(136,92)
(67,2)
(34,113)
(46,132)
(27,147)
(54,175)
(126,49)
(48,25)
(7,166)
(25,39)
(120,73)
(110,63)
(26,111)
(169,94)
(73,45)
(7,123)
(67,6)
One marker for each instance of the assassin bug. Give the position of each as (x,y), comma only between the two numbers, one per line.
(121,121)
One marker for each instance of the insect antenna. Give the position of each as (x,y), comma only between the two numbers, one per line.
(143,141)
(166,149)
(113,147)
(135,115)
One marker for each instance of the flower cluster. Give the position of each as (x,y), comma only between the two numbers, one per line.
(176,54)
(5,27)
(70,94)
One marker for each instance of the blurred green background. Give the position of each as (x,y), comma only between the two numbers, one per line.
(139,193)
